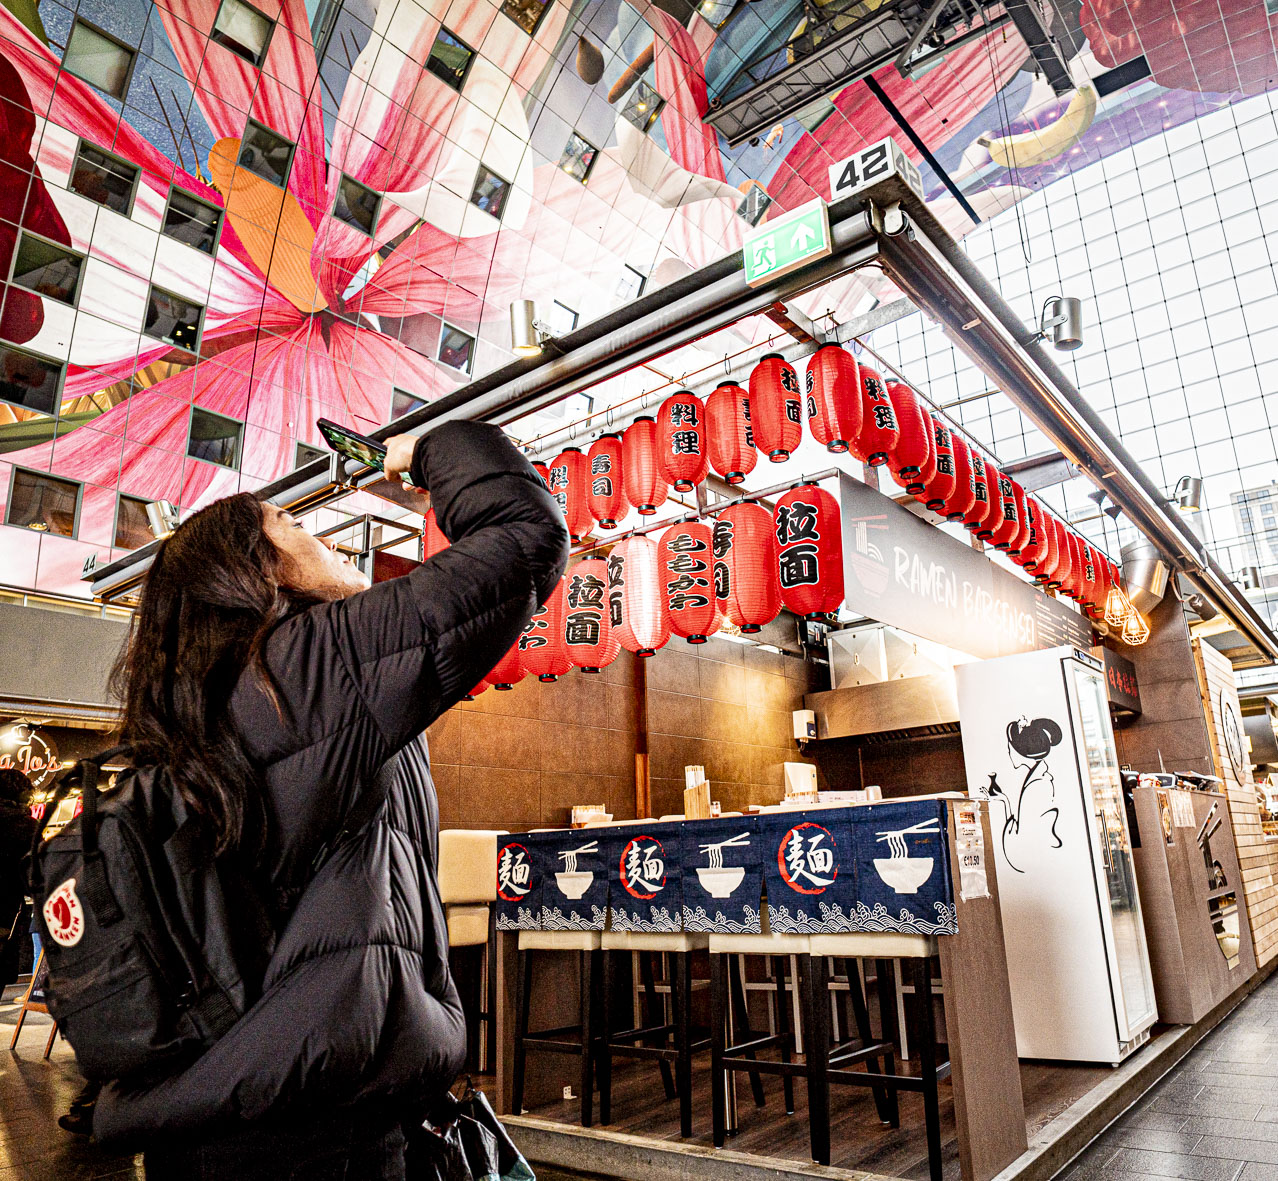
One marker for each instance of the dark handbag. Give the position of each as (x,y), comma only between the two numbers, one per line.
(463,1140)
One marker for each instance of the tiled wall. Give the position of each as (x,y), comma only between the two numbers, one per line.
(520,759)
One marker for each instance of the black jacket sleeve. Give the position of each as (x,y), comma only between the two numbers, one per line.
(396,656)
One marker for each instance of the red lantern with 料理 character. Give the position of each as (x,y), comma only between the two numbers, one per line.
(641,477)
(809,551)
(433,539)
(687,580)
(776,409)
(681,441)
(963,496)
(508,671)
(569,483)
(588,632)
(834,398)
(729,433)
(542,651)
(879,431)
(636,605)
(607,499)
(745,564)
(907,460)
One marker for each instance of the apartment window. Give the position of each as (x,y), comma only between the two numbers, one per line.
(214,438)
(643,106)
(450,59)
(402,402)
(98,58)
(30,381)
(243,30)
(132,530)
(304,453)
(173,319)
(456,348)
(631,284)
(754,204)
(265,153)
(561,318)
(357,205)
(48,269)
(190,220)
(526,14)
(104,178)
(578,157)
(490,192)
(43,503)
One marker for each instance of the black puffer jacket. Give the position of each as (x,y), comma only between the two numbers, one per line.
(358,1004)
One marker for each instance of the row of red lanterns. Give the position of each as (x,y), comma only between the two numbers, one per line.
(850,409)
(741,568)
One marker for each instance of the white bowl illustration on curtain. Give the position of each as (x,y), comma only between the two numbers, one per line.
(905,874)
(718,880)
(572,882)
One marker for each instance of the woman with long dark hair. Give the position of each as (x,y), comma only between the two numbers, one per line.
(275,687)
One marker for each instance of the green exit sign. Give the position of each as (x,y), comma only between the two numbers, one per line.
(786,243)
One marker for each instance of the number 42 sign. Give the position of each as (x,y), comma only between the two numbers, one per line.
(871,165)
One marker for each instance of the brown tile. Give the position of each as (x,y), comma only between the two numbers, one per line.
(766,765)
(724,722)
(559,793)
(732,797)
(447,735)
(755,657)
(722,651)
(490,740)
(673,671)
(621,800)
(675,713)
(667,796)
(521,701)
(622,670)
(493,798)
(582,750)
(722,682)
(669,754)
(447,779)
(728,761)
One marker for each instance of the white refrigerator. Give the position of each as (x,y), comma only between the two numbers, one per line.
(1038,744)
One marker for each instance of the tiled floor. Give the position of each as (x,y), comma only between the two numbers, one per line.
(1214,1118)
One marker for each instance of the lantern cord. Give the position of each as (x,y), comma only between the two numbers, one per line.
(709,511)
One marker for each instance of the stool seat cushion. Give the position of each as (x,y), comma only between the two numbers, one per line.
(886,945)
(558,940)
(675,941)
(467,924)
(759,944)
(468,865)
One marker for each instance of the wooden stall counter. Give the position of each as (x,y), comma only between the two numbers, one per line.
(1190,881)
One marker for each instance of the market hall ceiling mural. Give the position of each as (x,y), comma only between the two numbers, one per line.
(222,220)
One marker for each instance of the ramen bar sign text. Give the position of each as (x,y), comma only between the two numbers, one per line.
(903,571)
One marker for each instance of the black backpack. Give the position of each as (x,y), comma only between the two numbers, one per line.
(154,947)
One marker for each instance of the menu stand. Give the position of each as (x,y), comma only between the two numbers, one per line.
(30,1006)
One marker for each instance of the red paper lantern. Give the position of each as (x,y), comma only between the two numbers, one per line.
(809,551)
(508,671)
(687,580)
(607,498)
(641,476)
(879,431)
(1031,549)
(1100,594)
(994,507)
(681,441)
(542,470)
(776,410)
(834,398)
(1007,527)
(730,434)
(542,650)
(1063,577)
(1089,578)
(569,483)
(975,515)
(1049,558)
(1022,534)
(588,631)
(963,496)
(433,539)
(908,459)
(636,605)
(940,488)
(745,561)
(475,692)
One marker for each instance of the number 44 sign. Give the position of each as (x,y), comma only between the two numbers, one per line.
(871,165)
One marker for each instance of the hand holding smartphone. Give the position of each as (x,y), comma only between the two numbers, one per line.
(368,451)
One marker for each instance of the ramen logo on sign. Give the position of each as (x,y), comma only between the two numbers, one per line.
(514,873)
(643,867)
(64,916)
(806,858)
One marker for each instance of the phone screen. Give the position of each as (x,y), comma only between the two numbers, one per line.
(346,442)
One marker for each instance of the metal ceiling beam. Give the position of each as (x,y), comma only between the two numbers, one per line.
(1042,45)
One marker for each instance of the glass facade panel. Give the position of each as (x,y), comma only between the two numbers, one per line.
(43,503)
(243,30)
(98,59)
(47,269)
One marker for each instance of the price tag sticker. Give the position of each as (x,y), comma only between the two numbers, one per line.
(871,165)
(969,844)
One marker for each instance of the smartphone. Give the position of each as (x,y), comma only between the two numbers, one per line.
(346,442)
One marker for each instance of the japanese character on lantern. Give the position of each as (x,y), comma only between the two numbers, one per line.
(797,522)
(685,443)
(582,627)
(799,566)
(585,591)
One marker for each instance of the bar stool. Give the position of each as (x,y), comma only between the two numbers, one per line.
(636,1043)
(829,1064)
(741,1056)
(467,888)
(580,1039)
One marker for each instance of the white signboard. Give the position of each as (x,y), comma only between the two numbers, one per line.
(871,165)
